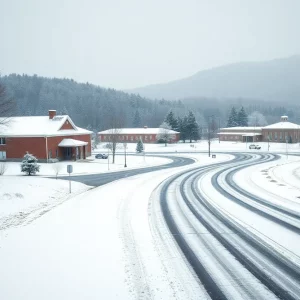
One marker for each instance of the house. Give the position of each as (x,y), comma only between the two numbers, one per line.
(281,132)
(132,135)
(46,137)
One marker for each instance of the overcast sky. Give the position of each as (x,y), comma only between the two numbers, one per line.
(130,43)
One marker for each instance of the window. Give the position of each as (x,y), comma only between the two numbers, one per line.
(56,153)
(275,136)
(50,154)
(280,136)
(2,155)
(2,141)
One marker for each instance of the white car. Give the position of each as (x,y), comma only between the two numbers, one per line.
(253,146)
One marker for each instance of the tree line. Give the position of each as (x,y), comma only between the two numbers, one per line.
(96,108)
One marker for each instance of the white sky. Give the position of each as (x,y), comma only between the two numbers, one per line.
(131,43)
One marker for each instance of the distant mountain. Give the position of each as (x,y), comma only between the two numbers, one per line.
(277,80)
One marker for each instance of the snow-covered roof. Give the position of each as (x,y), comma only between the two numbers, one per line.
(283,125)
(240,133)
(71,143)
(39,126)
(135,131)
(240,128)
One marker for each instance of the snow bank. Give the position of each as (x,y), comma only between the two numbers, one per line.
(24,198)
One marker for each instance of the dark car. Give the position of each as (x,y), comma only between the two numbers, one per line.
(101,156)
(252,146)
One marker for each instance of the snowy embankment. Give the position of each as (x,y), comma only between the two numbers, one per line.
(277,182)
(23,199)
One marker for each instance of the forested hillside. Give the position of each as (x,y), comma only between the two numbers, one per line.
(88,105)
(94,107)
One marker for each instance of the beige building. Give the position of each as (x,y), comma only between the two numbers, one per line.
(281,132)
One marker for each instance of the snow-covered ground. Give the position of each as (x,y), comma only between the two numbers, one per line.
(98,245)
(91,166)
(215,147)
(101,243)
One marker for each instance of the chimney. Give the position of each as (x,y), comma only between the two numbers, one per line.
(52,114)
(284,118)
(145,127)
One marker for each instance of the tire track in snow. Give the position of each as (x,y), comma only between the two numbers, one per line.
(205,277)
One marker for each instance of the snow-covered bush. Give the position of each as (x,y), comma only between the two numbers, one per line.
(29,164)
(139,146)
(3,168)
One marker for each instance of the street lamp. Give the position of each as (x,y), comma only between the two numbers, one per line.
(125,146)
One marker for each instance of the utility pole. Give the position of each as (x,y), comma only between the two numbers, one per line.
(125,146)
(219,130)
(209,134)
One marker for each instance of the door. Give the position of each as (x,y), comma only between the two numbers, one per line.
(2,155)
(68,153)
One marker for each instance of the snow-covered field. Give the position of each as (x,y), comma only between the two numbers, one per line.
(91,166)
(101,243)
(215,147)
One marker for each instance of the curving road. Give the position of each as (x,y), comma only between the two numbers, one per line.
(103,178)
(231,260)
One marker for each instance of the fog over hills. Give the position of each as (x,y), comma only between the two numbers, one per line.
(275,80)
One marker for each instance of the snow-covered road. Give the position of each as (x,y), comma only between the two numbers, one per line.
(170,234)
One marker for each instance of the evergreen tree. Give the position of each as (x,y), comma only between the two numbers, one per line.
(182,122)
(242,118)
(171,120)
(139,146)
(192,127)
(137,122)
(29,164)
(233,118)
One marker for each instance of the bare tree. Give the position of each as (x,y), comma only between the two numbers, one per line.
(165,133)
(116,125)
(257,119)
(3,168)
(7,105)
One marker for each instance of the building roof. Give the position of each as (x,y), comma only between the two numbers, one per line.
(282,125)
(135,131)
(241,128)
(39,126)
(71,143)
(240,133)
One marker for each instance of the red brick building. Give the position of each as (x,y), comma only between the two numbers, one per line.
(281,132)
(132,135)
(46,137)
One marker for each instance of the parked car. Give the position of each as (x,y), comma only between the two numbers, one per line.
(253,146)
(101,156)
